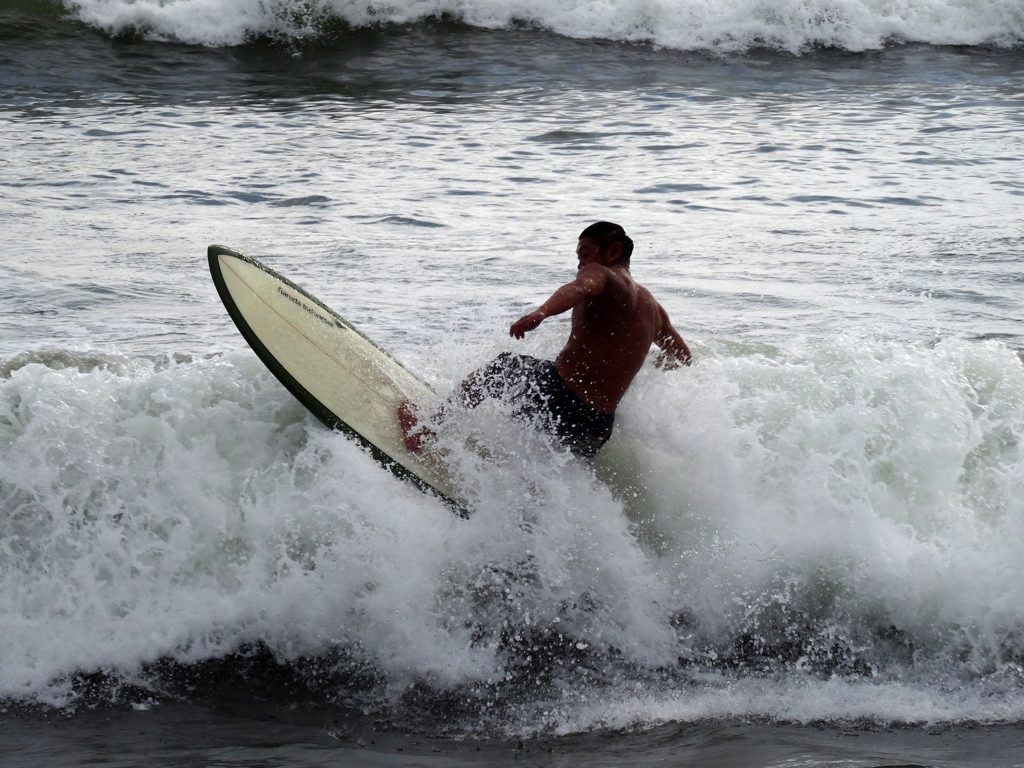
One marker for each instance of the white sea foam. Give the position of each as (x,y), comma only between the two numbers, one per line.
(183,511)
(719,25)
(800,701)
(870,494)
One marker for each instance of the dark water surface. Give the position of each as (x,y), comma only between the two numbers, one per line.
(183,735)
(175,734)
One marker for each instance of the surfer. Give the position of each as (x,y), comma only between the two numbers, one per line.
(614,322)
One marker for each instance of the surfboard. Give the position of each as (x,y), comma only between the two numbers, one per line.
(337,372)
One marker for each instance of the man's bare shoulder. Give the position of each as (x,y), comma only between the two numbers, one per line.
(642,291)
(594,278)
(594,269)
(649,307)
(645,297)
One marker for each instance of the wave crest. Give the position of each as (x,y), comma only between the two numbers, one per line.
(715,25)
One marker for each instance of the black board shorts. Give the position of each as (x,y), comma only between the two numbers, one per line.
(539,394)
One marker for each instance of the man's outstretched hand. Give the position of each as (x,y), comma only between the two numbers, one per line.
(526,323)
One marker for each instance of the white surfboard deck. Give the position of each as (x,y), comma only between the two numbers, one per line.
(342,377)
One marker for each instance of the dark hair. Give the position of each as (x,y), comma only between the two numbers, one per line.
(604,233)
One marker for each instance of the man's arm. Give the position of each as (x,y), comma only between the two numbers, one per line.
(590,282)
(673,349)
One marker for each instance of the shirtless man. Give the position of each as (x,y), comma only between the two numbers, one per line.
(614,323)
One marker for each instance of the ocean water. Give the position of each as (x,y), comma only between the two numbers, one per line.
(807,549)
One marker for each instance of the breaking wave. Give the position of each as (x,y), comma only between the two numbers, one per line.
(810,533)
(714,25)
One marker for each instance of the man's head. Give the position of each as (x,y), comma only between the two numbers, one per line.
(611,241)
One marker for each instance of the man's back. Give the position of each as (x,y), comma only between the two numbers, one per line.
(610,338)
